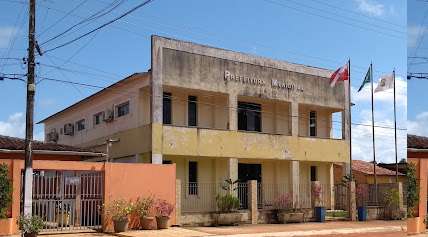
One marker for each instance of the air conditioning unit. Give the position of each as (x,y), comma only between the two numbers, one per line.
(69,129)
(52,136)
(108,115)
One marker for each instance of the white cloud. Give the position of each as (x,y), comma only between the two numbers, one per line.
(6,34)
(384,132)
(413,34)
(14,126)
(419,126)
(371,8)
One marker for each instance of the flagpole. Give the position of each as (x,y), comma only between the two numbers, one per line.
(350,119)
(373,132)
(395,131)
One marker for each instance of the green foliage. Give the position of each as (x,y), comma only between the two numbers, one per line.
(227,203)
(119,210)
(143,206)
(30,224)
(5,191)
(412,190)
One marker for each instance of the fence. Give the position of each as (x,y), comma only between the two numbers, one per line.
(67,200)
(373,195)
(341,197)
(201,197)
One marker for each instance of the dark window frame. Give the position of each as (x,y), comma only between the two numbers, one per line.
(193,178)
(100,116)
(313,123)
(249,116)
(192,111)
(314,173)
(167,108)
(119,109)
(80,125)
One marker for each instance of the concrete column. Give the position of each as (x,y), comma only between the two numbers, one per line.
(294,113)
(252,200)
(233,112)
(178,202)
(422,207)
(232,169)
(352,201)
(331,191)
(156,101)
(400,196)
(295,182)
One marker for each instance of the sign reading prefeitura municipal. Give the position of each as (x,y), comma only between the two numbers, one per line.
(274,84)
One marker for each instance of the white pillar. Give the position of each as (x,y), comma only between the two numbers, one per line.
(233,111)
(331,193)
(232,169)
(294,119)
(295,182)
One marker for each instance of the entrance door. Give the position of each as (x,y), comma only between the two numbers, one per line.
(247,172)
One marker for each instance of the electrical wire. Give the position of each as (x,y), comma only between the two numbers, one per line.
(99,27)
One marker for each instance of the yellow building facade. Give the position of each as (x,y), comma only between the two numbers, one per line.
(218,115)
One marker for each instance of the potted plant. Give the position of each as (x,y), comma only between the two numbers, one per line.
(412,200)
(319,205)
(163,213)
(118,211)
(30,226)
(391,204)
(6,199)
(143,207)
(227,205)
(285,211)
(362,194)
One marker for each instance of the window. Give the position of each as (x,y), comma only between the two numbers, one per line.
(167,106)
(249,116)
(314,173)
(80,125)
(193,178)
(192,111)
(122,109)
(312,124)
(98,118)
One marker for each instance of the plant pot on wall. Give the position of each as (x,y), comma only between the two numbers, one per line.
(362,213)
(121,225)
(413,225)
(230,218)
(290,217)
(148,223)
(320,214)
(162,222)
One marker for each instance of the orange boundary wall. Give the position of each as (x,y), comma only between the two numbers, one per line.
(127,181)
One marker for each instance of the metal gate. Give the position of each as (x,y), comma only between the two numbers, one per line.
(341,197)
(68,200)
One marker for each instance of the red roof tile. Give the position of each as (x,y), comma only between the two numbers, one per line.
(14,143)
(417,142)
(367,168)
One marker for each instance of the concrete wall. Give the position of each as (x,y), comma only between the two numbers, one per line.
(127,181)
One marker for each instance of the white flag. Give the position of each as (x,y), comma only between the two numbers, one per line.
(386,82)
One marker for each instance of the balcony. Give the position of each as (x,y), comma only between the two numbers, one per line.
(185,141)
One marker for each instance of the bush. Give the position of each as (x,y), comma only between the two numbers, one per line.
(30,224)
(412,190)
(227,203)
(143,206)
(283,202)
(163,208)
(119,210)
(5,191)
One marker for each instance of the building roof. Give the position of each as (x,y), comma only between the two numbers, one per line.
(417,142)
(367,168)
(126,79)
(14,144)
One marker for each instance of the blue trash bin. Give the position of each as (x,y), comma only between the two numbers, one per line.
(362,213)
(320,214)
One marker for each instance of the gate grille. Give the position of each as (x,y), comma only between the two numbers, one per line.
(67,200)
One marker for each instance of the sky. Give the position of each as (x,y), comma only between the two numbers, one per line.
(417,47)
(321,33)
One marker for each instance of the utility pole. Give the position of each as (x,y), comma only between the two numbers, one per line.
(109,143)
(31,90)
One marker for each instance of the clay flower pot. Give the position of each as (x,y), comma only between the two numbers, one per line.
(148,223)
(121,225)
(162,222)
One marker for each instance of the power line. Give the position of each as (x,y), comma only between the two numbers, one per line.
(94,16)
(100,27)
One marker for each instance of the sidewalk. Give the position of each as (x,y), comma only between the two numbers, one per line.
(383,228)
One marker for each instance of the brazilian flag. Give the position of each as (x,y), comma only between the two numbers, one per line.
(366,79)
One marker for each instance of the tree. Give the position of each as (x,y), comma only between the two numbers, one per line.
(5,191)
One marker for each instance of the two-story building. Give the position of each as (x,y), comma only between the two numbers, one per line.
(218,114)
